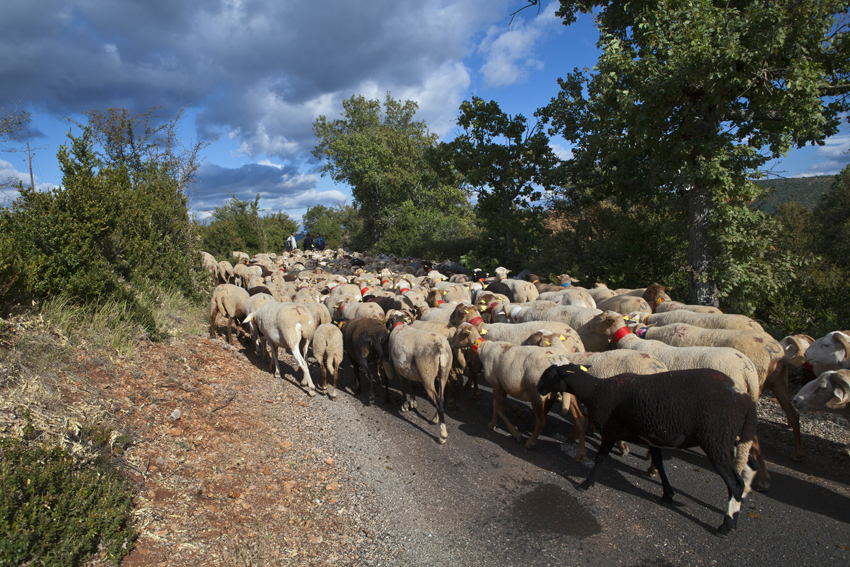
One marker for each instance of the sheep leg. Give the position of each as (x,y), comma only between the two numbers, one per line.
(311,388)
(356,366)
(336,374)
(303,346)
(230,330)
(213,314)
(578,426)
(499,400)
(274,360)
(601,455)
(735,486)
(779,388)
(540,411)
(658,462)
(437,398)
(763,476)
(324,376)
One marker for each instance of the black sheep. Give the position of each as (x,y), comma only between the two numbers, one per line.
(675,409)
(499,287)
(366,341)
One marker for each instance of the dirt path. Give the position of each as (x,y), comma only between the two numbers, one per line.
(253,472)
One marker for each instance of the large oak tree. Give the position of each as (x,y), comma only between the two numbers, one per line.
(689,99)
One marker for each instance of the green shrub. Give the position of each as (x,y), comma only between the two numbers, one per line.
(55,513)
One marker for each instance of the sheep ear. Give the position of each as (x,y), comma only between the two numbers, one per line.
(842,340)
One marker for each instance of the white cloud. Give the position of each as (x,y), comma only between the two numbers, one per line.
(830,158)
(509,53)
(561,152)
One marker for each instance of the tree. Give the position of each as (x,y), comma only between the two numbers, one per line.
(237,225)
(509,165)
(133,140)
(384,156)
(688,100)
(325,221)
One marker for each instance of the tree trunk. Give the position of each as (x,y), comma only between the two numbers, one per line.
(701,291)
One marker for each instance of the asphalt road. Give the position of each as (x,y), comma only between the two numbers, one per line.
(484,499)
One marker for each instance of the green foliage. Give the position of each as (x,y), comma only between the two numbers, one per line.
(54,513)
(508,164)
(688,99)
(621,247)
(237,225)
(111,224)
(327,222)
(804,190)
(832,219)
(385,155)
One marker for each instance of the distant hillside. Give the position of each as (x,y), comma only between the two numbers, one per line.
(805,190)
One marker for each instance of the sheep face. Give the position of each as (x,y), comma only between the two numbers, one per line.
(832,349)
(830,392)
(554,378)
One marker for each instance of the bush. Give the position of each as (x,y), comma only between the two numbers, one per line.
(54,513)
(107,227)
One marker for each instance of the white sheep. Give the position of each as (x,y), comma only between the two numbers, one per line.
(512,370)
(228,300)
(830,392)
(284,325)
(328,349)
(829,352)
(704,320)
(419,356)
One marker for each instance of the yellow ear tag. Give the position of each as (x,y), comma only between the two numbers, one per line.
(483,331)
(547,343)
(562,337)
(626,318)
(482,309)
(583,368)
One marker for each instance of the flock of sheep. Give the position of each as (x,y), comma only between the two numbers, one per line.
(601,353)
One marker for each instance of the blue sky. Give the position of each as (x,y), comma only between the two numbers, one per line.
(257,73)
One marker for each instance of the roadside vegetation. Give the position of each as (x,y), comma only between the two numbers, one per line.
(660,192)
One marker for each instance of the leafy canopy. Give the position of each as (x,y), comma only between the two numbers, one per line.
(384,154)
(688,100)
(508,164)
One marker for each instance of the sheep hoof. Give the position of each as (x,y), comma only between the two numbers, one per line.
(580,457)
(763,486)
(333,397)
(311,392)
(476,394)
(585,485)
(529,444)
(797,457)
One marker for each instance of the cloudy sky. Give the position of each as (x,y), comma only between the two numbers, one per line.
(255,74)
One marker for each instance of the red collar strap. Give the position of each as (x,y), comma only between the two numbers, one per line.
(619,334)
(364,290)
(493,306)
(476,321)
(385,282)
(397,324)
(404,290)
(481,280)
(478,342)
(439,302)
(659,301)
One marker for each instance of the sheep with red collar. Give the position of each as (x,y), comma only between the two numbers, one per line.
(674,409)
